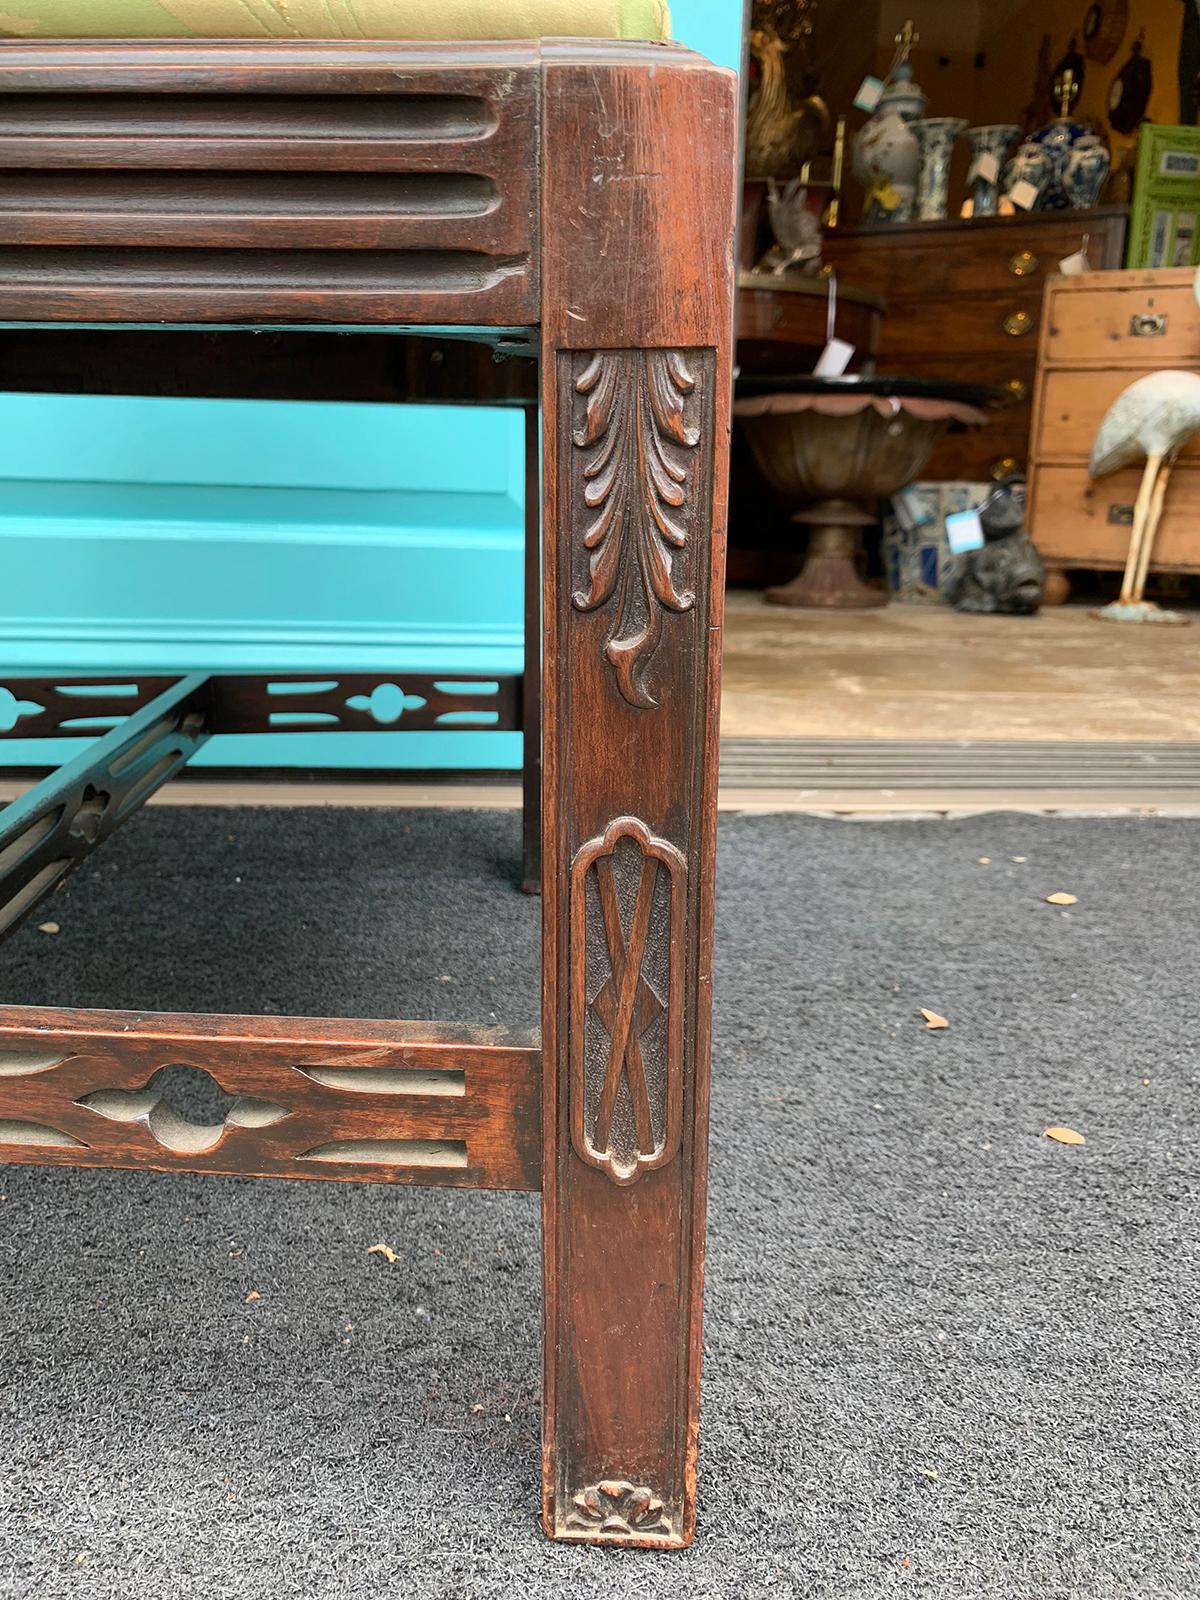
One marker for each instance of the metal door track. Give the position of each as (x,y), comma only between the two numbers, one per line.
(959,765)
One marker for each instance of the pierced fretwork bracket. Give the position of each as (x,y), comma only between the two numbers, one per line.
(356,702)
(48,831)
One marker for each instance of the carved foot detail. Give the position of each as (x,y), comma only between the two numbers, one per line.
(619,1508)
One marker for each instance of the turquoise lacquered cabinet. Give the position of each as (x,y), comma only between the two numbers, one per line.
(176,535)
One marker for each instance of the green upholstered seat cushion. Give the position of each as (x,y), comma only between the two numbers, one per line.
(334,19)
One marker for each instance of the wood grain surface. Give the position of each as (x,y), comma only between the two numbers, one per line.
(349,183)
(582,193)
(637,236)
(372,1102)
(353,702)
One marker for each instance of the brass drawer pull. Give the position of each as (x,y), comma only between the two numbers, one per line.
(1121,516)
(1148,325)
(1006,467)
(1017,390)
(1024,264)
(1018,323)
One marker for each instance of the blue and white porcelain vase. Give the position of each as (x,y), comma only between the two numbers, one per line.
(1079,159)
(993,139)
(937,137)
(887,156)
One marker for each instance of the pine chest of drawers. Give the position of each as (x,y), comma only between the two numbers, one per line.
(1100,331)
(964,301)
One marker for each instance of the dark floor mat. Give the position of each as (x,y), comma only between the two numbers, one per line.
(946,1357)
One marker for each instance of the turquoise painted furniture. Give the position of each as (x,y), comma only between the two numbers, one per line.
(90,589)
(261,535)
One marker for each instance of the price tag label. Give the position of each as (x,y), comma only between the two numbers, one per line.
(869,91)
(902,514)
(835,358)
(964,532)
(1024,194)
(986,167)
(912,511)
(1070,265)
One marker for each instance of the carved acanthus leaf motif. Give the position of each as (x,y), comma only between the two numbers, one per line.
(618,1507)
(638,441)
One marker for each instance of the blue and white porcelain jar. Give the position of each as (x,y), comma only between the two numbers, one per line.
(1086,170)
(1079,159)
(1030,165)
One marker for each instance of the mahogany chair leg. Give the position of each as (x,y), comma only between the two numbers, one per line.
(628,151)
(637,252)
(531,689)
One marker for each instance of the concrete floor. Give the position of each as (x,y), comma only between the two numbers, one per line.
(917,672)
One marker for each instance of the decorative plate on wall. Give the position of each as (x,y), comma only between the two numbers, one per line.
(1104,28)
(1130,92)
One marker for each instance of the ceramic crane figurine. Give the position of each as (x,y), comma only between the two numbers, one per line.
(1151,420)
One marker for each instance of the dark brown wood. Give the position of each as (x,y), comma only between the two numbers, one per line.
(372,1102)
(67,707)
(356,702)
(782,324)
(964,256)
(266,364)
(53,827)
(531,683)
(636,396)
(339,184)
(209,183)
(964,300)
(353,702)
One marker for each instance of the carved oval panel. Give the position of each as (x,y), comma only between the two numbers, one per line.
(628,936)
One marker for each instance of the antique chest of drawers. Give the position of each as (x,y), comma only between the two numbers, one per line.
(964,300)
(1100,331)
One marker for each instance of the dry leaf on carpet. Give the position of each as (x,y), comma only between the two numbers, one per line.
(384,1250)
(1064,1136)
(1061,899)
(932,1020)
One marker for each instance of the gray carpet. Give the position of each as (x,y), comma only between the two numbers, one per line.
(945,1356)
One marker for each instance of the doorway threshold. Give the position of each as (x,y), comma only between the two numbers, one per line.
(959,775)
